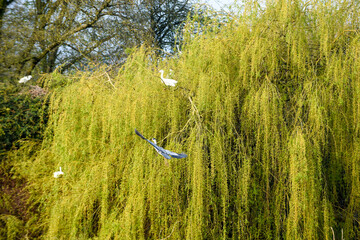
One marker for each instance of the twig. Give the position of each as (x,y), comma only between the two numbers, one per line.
(110,80)
(178,132)
(171,232)
(333,233)
(195,108)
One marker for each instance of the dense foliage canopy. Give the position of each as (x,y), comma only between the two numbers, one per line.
(267,108)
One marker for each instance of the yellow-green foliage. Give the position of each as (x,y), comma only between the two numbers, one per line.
(267,107)
(10,226)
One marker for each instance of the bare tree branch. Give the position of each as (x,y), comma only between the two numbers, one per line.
(34,60)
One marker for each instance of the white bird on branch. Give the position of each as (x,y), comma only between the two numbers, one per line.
(58,174)
(167,81)
(25,79)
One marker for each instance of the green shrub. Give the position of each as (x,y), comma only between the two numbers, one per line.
(10,227)
(22,115)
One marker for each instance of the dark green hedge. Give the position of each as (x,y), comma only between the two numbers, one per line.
(22,115)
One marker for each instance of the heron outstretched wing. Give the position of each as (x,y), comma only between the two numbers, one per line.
(139,134)
(175,155)
(160,150)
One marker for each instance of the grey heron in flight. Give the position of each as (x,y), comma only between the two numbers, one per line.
(165,153)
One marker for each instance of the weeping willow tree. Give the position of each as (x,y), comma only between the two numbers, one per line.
(267,108)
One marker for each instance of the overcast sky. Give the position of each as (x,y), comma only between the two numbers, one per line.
(218,4)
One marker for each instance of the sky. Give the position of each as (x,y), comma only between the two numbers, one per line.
(218,4)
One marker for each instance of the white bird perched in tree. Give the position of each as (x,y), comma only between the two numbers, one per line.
(178,48)
(25,79)
(58,174)
(167,81)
